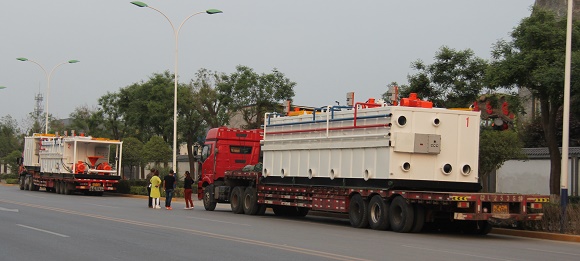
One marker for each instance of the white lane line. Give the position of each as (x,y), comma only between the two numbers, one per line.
(9,210)
(232,223)
(553,252)
(42,230)
(35,196)
(101,205)
(455,253)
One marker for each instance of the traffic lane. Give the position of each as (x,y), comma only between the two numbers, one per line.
(335,235)
(60,234)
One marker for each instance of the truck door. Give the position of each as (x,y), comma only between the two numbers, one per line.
(208,162)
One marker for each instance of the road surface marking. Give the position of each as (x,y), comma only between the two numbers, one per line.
(455,253)
(207,219)
(300,250)
(42,230)
(553,252)
(101,205)
(9,210)
(35,196)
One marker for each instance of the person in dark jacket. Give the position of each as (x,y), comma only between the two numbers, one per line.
(169,185)
(187,190)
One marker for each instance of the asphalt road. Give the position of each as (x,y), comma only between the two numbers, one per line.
(37,225)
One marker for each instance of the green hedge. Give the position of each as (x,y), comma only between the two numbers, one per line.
(11,181)
(9,176)
(142,190)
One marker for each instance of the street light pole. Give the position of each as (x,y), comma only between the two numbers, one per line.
(176,35)
(48,75)
(566,119)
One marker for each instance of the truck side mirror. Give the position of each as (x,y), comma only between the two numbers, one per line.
(195,150)
(19,160)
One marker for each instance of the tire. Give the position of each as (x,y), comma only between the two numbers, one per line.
(280,211)
(250,201)
(302,211)
(57,187)
(30,186)
(378,213)
(261,210)
(209,202)
(67,190)
(21,181)
(401,215)
(99,193)
(236,200)
(419,221)
(358,212)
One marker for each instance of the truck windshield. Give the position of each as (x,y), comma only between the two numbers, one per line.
(205,152)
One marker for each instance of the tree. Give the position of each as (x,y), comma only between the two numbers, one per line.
(253,95)
(87,120)
(212,98)
(455,79)
(148,107)
(495,148)
(534,59)
(156,150)
(110,113)
(132,153)
(9,136)
(10,159)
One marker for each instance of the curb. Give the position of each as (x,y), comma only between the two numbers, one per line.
(536,234)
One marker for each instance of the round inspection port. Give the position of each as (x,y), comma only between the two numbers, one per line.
(310,173)
(265,172)
(466,170)
(406,166)
(282,173)
(436,122)
(366,174)
(332,174)
(402,121)
(447,169)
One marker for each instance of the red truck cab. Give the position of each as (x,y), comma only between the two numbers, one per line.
(227,149)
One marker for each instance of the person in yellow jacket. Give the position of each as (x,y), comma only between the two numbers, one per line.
(155,194)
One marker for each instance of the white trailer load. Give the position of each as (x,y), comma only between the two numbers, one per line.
(65,164)
(411,146)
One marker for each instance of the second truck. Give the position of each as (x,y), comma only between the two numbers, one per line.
(402,168)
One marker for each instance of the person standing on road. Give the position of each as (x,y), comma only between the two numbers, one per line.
(148,178)
(155,194)
(169,185)
(187,182)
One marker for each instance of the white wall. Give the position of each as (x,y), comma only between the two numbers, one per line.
(527,177)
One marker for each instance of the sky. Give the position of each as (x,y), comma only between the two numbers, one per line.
(328,47)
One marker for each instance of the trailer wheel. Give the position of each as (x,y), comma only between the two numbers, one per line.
(21,182)
(401,215)
(302,211)
(378,213)
(280,210)
(57,187)
(209,202)
(261,210)
(28,184)
(250,204)
(67,190)
(236,199)
(358,212)
(419,221)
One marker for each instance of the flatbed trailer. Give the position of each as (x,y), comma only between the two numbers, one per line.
(68,164)
(387,167)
